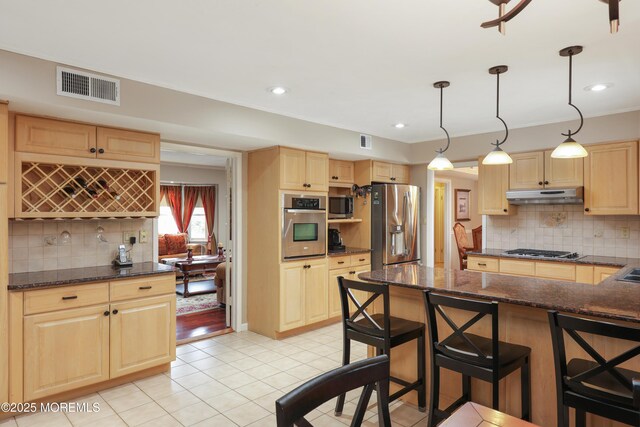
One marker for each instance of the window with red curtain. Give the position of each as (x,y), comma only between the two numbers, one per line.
(208,196)
(173,195)
(190,198)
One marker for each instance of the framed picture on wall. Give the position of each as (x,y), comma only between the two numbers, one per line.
(463,205)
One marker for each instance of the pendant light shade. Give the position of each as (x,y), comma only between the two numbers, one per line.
(497,156)
(570,148)
(441,163)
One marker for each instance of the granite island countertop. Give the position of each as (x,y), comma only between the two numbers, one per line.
(73,276)
(587,259)
(349,251)
(611,299)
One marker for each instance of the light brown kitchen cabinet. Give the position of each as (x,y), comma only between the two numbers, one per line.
(64,350)
(316,305)
(602,272)
(349,267)
(335,306)
(302,170)
(390,173)
(4,142)
(4,282)
(303,293)
(57,137)
(341,171)
(131,350)
(129,146)
(493,183)
(611,179)
(530,171)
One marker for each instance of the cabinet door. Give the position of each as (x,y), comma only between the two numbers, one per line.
(118,144)
(361,296)
(65,350)
(527,171)
(600,273)
(4,142)
(400,174)
(316,292)
(292,277)
(4,282)
(292,169)
(317,171)
(562,173)
(341,171)
(143,334)
(48,136)
(493,183)
(335,305)
(611,179)
(382,172)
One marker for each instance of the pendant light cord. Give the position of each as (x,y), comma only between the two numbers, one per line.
(569,133)
(442,150)
(506,128)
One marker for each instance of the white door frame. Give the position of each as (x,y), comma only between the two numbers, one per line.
(237,237)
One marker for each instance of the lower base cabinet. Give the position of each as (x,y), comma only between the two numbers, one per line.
(303,293)
(348,267)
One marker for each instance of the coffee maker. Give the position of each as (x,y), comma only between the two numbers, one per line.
(335,241)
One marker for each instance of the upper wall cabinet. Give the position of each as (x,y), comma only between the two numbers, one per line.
(62,138)
(493,183)
(611,179)
(4,142)
(302,170)
(341,172)
(530,171)
(390,172)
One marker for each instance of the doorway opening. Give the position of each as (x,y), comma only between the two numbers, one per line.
(194,234)
(438,222)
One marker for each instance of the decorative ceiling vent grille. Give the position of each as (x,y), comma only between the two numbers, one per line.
(365,142)
(88,86)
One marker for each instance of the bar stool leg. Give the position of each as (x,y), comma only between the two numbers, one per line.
(495,390)
(346,358)
(581,418)
(434,397)
(466,387)
(525,386)
(563,415)
(382,393)
(422,361)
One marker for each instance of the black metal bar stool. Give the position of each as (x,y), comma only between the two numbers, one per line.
(487,359)
(381,331)
(597,386)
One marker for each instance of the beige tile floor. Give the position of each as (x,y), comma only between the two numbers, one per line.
(231,380)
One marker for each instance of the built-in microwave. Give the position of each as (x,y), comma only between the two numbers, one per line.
(340,207)
(304,226)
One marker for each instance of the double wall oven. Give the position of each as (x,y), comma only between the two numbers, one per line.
(304,226)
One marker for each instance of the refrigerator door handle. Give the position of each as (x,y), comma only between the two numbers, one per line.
(407,222)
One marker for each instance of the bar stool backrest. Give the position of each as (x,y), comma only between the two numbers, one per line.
(447,345)
(366,326)
(578,381)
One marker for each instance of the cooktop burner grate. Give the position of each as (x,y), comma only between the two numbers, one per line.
(538,253)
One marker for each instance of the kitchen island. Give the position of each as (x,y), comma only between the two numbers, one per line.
(523,309)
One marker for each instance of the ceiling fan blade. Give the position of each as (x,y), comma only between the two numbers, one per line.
(507,16)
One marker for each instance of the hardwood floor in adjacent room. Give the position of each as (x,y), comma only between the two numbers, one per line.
(194,325)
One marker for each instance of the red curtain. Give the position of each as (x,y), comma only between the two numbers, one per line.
(208,195)
(190,199)
(173,194)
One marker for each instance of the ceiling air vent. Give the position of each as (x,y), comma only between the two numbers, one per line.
(88,86)
(365,142)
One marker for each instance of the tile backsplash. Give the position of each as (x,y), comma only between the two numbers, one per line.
(37,245)
(565,228)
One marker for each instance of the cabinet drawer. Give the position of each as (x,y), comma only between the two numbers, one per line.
(339,262)
(67,297)
(519,268)
(142,287)
(360,259)
(556,270)
(483,264)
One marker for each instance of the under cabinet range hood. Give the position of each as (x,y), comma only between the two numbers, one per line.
(548,196)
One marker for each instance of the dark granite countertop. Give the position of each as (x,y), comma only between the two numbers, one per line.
(72,276)
(588,259)
(611,299)
(349,251)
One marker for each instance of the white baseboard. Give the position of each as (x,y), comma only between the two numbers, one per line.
(243,327)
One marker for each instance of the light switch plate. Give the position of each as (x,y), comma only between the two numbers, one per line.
(143,236)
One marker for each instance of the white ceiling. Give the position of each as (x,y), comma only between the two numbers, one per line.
(359,64)
(191,156)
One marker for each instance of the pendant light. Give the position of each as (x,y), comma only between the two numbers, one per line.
(570,149)
(497,156)
(441,163)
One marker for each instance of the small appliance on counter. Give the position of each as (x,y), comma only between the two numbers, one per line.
(122,259)
(335,241)
(340,207)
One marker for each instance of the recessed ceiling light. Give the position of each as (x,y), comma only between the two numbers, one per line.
(278,90)
(399,125)
(598,87)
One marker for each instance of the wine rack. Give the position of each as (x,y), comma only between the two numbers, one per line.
(50,189)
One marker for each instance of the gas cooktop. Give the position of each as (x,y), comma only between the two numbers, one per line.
(537,253)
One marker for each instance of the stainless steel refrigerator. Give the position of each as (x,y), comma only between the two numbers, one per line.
(394,224)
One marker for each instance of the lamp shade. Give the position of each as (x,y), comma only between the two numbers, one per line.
(440,163)
(569,149)
(497,157)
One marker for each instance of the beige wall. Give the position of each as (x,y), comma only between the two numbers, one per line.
(616,127)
